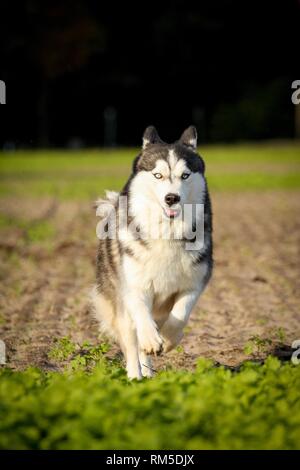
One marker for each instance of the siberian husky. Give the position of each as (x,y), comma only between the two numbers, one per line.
(147,285)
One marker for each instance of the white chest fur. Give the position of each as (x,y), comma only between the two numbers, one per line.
(165,267)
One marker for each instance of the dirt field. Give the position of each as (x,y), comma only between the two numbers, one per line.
(253,299)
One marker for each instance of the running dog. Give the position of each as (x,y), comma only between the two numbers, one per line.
(153,268)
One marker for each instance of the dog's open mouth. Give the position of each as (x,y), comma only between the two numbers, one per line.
(171,213)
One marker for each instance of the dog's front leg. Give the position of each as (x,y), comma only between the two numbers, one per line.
(172,329)
(139,305)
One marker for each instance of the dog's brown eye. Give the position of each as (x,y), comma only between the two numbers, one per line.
(185,176)
(158,175)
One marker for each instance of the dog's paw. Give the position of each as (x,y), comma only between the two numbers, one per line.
(147,371)
(171,338)
(150,340)
(134,372)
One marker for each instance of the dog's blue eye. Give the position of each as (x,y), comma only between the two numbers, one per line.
(185,176)
(158,175)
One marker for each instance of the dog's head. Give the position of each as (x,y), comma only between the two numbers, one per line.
(169,175)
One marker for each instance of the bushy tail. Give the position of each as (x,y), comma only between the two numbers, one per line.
(106,205)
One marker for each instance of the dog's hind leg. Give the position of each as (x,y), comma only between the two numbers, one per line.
(117,323)
(129,345)
(146,364)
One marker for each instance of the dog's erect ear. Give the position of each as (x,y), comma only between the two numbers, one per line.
(189,137)
(150,136)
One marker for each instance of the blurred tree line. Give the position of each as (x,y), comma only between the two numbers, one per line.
(85,72)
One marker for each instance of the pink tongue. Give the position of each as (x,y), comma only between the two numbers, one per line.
(171,212)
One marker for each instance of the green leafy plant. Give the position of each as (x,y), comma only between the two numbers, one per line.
(63,349)
(257,345)
(281,335)
(78,356)
(211,408)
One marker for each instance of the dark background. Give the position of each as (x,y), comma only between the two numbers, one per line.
(90,73)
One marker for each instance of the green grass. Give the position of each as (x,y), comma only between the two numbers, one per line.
(98,408)
(86,174)
(37,231)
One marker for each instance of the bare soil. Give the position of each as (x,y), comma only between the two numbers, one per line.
(254,292)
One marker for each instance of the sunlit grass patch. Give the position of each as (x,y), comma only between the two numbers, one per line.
(253,181)
(33,231)
(86,174)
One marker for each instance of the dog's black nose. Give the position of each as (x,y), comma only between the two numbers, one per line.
(172,199)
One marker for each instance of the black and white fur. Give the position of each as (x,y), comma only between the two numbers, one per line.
(146,288)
